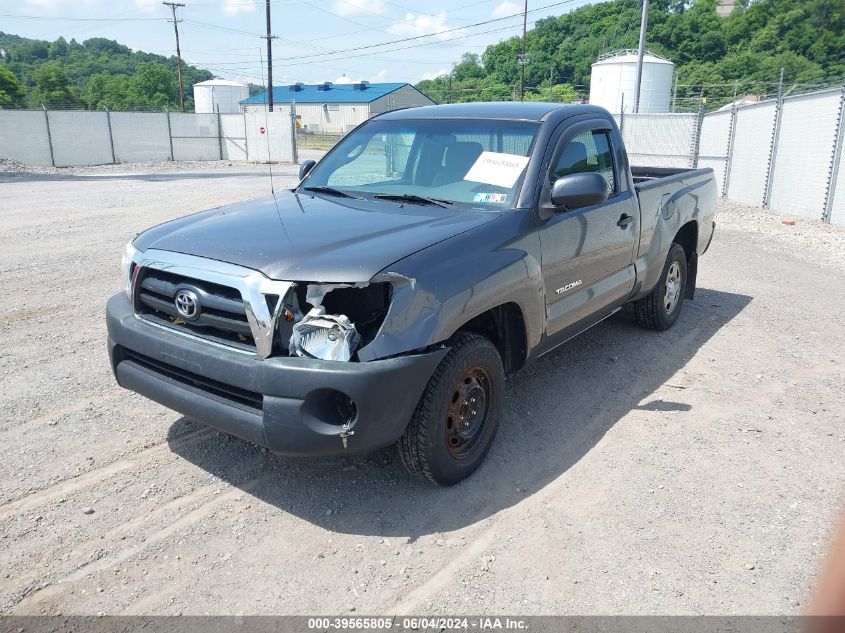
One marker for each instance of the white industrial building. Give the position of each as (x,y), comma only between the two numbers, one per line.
(613,82)
(332,108)
(219,95)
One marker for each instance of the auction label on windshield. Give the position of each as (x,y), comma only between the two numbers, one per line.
(493,168)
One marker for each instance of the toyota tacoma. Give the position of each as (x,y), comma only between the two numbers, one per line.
(384,299)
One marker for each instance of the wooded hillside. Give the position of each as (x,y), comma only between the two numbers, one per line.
(804,37)
(94,74)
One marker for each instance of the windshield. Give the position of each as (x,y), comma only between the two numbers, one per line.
(455,162)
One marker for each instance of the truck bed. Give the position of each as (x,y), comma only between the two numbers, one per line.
(644,176)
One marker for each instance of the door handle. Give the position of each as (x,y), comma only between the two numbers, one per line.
(624,221)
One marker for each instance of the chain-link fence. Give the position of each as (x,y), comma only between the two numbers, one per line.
(660,140)
(65,138)
(785,153)
(316,140)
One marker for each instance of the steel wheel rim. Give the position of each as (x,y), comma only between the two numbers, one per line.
(469,409)
(673,287)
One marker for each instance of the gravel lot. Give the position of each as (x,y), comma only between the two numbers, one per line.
(697,470)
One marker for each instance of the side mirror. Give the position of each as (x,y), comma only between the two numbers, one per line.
(306,167)
(579,190)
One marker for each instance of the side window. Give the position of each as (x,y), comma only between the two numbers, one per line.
(587,152)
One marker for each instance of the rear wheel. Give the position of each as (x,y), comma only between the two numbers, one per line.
(455,422)
(661,307)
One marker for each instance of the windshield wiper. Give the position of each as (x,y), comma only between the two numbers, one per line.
(410,197)
(330,191)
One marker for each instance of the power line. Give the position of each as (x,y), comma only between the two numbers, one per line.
(402,48)
(173,6)
(46,17)
(427,35)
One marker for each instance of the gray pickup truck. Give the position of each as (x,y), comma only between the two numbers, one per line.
(385,298)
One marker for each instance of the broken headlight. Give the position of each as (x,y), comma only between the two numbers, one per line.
(126,261)
(326,336)
(341,319)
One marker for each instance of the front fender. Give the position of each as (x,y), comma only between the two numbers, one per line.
(439,289)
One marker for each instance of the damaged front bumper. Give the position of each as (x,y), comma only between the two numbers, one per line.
(292,406)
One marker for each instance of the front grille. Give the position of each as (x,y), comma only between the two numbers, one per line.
(208,386)
(222,318)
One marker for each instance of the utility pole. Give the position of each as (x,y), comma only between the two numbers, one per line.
(269,37)
(643,29)
(523,60)
(173,6)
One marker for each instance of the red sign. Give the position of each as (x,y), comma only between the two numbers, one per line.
(261,129)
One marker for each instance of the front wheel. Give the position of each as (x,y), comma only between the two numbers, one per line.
(455,422)
(661,307)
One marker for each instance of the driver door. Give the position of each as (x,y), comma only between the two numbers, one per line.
(587,252)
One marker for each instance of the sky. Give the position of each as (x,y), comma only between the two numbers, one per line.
(403,40)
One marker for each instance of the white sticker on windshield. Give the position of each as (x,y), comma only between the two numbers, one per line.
(493,168)
(495,198)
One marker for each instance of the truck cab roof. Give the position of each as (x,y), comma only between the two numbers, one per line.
(509,110)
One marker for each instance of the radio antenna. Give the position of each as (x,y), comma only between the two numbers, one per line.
(267,123)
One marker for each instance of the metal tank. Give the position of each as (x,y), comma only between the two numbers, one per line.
(614,76)
(219,95)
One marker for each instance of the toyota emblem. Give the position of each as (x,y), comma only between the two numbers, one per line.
(187,304)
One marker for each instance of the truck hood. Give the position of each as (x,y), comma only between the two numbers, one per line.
(312,238)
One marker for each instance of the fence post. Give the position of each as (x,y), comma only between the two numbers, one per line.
(730,152)
(622,117)
(293,147)
(219,132)
(696,137)
(169,132)
(835,160)
(246,139)
(49,136)
(773,147)
(111,136)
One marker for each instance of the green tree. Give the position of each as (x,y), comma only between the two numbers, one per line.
(152,87)
(559,93)
(468,68)
(52,87)
(59,49)
(12,91)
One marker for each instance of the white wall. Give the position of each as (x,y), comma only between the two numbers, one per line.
(23,137)
(80,138)
(140,136)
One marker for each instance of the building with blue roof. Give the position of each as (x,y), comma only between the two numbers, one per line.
(333,108)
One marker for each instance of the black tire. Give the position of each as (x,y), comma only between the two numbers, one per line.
(448,436)
(653,311)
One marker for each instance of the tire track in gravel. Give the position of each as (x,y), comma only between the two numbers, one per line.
(67,487)
(50,596)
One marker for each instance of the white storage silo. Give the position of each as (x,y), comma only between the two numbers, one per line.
(219,95)
(615,75)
